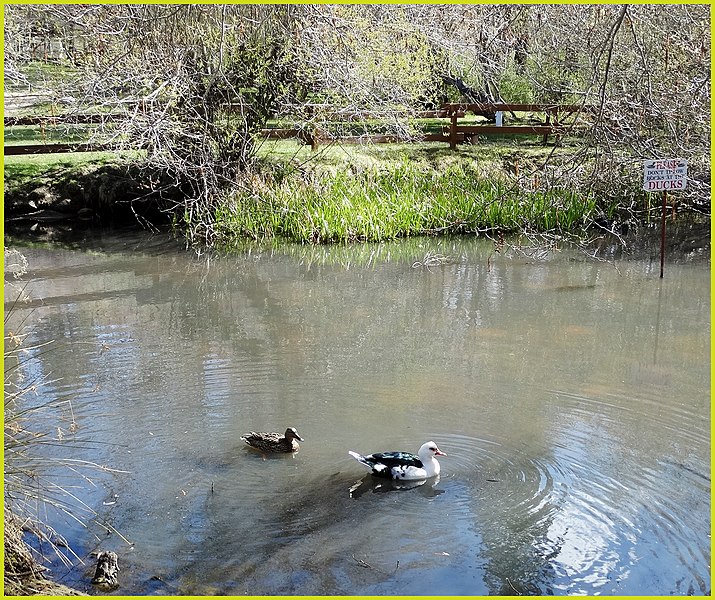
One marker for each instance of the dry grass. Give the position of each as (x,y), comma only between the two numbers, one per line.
(29,485)
(24,576)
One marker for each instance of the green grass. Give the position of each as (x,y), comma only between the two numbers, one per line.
(388,191)
(19,170)
(489,154)
(372,193)
(51,72)
(405,200)
(30,134)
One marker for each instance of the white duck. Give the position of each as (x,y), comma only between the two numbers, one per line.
(403,465)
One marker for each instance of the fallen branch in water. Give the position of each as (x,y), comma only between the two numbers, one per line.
(366,565)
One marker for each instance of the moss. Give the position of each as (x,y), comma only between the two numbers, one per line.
(109,190)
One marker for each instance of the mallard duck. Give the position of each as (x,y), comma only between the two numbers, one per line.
(403,465)
(274,442)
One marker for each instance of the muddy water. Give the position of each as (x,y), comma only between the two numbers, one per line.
(571,395)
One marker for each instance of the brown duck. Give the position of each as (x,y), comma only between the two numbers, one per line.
(274,442)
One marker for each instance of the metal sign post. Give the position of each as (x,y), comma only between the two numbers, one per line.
(662,175)
(662,233)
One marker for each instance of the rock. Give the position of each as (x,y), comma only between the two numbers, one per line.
(106,575)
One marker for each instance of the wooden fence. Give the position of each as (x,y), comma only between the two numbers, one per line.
(452,133)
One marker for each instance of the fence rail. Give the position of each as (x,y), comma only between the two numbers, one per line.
(453,133)
(17,150)
(62,119)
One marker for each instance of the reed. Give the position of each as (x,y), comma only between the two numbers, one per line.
(402,200)
(41,473)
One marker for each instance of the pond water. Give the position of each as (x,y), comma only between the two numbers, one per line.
(571,395)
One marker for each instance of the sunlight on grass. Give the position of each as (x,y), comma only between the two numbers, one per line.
(375,204)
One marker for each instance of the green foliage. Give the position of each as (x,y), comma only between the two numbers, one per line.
(389,60)
(516,88)
(229,99)
(561,79)
(404,201)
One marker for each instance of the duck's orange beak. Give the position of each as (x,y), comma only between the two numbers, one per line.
(438,452)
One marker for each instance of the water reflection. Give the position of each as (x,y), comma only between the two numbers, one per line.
(571,395)
(372,484)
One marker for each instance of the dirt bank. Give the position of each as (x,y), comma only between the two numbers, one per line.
(113,193)
(24,576)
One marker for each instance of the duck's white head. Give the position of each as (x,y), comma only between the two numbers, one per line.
(428,451)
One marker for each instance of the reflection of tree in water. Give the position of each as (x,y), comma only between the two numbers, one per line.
(285,546)
(300,539)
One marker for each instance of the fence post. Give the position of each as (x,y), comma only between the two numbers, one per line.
(548,122)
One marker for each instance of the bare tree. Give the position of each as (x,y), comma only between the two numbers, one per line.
(197,82)
(641,72)
(194,83)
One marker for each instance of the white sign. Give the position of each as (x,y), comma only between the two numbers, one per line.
(665,174)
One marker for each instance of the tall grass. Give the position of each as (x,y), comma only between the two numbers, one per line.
(400,201)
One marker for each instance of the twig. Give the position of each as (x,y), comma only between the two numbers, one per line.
(362,563)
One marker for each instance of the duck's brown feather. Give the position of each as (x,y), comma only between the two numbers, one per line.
(270,442)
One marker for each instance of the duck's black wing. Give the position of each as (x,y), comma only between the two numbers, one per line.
(395,459)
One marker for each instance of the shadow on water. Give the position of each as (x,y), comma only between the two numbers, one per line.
(315,538)
(485,530)
(338,535)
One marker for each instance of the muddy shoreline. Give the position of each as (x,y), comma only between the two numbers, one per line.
(24,576)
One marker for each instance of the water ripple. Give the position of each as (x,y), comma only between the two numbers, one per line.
(593,525)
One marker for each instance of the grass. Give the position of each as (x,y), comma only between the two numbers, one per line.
(375,192)
(381,192)
(31,134)
(46,73)
(21,170)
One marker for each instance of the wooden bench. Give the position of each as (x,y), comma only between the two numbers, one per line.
(552,124)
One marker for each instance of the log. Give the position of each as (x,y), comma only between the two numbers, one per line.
(106,575)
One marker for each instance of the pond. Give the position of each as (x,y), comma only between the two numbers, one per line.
(571,394)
